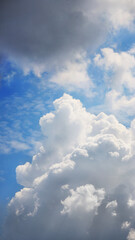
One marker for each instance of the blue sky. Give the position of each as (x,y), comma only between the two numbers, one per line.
(42,60)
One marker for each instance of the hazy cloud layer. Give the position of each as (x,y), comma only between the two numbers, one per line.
(48,32)
(81,183)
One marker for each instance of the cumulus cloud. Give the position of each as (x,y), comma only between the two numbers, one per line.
(131,202)
(112,206)
(48,32)
(84,167)
(74,75)
(119,68)
(119,104)
(131,235)
(119,77)
(125,225)
(83,199)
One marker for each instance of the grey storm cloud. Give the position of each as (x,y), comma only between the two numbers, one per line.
(81,184)
(49,31)
(44,29)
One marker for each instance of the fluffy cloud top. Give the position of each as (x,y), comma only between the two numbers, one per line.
(83,199)
(84,167)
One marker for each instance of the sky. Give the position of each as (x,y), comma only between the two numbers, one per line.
(67,119)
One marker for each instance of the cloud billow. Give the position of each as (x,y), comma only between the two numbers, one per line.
(81,183)
(44,31)
(49,33)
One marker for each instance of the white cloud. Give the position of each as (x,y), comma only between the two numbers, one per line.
(120,105)
(131,235)
(114,214)
(119,78)
(69,125)
(59,167)
(83,199)
(74,75)
(120,65)
(125,225)
(112,204)
(28,197)
(19,145)
(69,181)
(114,154)
(131,202)
(65,187)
